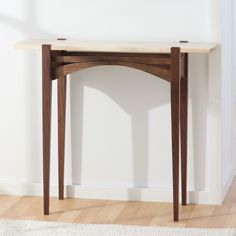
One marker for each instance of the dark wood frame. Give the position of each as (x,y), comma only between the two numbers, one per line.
(172,67)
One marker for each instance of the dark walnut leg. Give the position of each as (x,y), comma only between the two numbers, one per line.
(184,126)
(61,93)
(46,102)
(175,102)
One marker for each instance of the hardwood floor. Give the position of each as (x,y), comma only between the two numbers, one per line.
(122,212)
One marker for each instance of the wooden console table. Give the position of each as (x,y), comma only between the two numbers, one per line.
(168,61)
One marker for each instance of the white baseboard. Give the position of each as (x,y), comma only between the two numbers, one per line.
(110,193)
(228,184)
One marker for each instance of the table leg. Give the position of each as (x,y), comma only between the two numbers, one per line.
(184,128)
(175,102)
(46,102)
(61,93)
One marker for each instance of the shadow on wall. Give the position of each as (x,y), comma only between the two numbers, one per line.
(137,93)
(198,86)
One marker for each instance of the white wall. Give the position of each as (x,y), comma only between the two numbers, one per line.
(234,59)
(234,40)
(228,93)
(118,126)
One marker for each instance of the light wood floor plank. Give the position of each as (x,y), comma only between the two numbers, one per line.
(122,212)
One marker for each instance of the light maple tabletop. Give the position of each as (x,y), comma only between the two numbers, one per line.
(117,46)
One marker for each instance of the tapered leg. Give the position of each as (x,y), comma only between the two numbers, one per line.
(184,128)
(61,93)
(175,93)
(46,101)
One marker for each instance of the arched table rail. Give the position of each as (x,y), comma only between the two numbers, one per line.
(64,63)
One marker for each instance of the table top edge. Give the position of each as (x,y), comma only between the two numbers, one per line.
(116,47)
